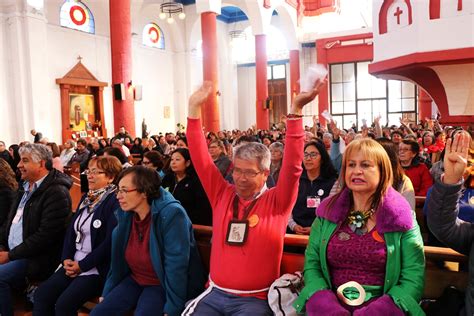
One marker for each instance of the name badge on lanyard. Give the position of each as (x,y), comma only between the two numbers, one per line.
(237,230)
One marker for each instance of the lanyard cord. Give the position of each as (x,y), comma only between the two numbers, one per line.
(79,224)
(246,209)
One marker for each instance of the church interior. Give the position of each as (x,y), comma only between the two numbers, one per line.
(75,69)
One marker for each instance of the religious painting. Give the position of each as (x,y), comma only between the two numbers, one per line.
(81,111)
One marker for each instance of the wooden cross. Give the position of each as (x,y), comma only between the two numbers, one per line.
(79,58)
(397,14)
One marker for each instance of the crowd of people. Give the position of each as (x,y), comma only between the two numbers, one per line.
(130,239)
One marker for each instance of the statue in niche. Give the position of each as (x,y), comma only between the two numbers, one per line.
(81,112)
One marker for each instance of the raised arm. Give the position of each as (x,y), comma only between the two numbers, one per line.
(208,173)
(287,186)
(443,205)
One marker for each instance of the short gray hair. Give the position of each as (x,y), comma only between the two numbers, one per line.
(38,152)
(254,151)
(277,145)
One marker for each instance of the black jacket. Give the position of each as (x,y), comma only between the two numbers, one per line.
(100,237)
(190,193)
(45,218)
(303,215)
(7,197)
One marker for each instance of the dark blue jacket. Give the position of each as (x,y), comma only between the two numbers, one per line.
(100,237)
(173,251)
(301,214)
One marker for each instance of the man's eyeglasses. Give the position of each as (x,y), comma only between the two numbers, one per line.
(93,172)
(124,191)
(312,155)
(249,174)
(146,163)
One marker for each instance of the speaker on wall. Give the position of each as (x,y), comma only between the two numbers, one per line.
(119,91)
(138,92)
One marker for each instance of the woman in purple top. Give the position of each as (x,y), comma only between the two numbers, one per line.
(365,252)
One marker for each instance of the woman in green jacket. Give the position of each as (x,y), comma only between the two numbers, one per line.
(365,253)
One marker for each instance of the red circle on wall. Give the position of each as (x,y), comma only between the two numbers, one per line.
(154,34)
(77,10)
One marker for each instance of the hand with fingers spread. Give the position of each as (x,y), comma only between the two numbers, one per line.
(455,157)
(305,97)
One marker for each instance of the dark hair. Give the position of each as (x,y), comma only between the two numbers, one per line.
(113,151)
(155,158)
(396,132)
(183,139)
(187,157)
(414,146)
(245,139)
(145,181)
(392,151)
(16,155)
(327,169)
(7,176)
(82,141)
(55,149)
(139,140)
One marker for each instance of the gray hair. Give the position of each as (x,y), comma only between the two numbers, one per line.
(277,146)
(38,152)
(254,151)
(327,135)
(71,142)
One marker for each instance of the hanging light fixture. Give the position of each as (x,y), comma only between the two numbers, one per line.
(168,8)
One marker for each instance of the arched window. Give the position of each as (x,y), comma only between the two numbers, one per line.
(153,36)
(76,15)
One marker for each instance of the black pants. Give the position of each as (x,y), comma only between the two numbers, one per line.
(62,295)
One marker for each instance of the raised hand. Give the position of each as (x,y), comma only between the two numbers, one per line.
(305,97)
(336,132)
(455,157)
(198,98)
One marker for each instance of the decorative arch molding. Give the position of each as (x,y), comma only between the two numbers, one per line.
(383,14)
(435,8)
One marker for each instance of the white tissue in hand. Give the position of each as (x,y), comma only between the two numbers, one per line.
(313,73)
(327,115)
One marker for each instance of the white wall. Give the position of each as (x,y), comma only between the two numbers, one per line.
(425,35)
(247,95)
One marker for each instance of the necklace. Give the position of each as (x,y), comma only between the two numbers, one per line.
(357,221)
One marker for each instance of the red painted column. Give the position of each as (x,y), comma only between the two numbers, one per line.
(323,97)
(424,105)
(210,111)
(121,51)
(263,119)
(294,72)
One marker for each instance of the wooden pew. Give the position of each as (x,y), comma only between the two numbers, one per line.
(75,191)
(436,279)
(435,282)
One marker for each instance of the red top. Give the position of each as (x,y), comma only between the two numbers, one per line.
(420,177)
(256,264)
(137,253)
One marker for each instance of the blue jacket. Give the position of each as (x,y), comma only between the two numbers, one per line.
(100,237)
(173,252)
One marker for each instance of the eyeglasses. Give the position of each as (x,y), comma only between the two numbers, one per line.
(93,172)
(146,163)
(312,155)
(124,191)
(404,149)
(249,174)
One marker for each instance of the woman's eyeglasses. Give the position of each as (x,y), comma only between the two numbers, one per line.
(312,155)
(124,191)
(93,172)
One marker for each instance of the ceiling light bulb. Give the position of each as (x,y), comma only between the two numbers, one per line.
(162,15)
(170,20)
(181,16)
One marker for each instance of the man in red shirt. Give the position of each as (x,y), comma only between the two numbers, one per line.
(249,220)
